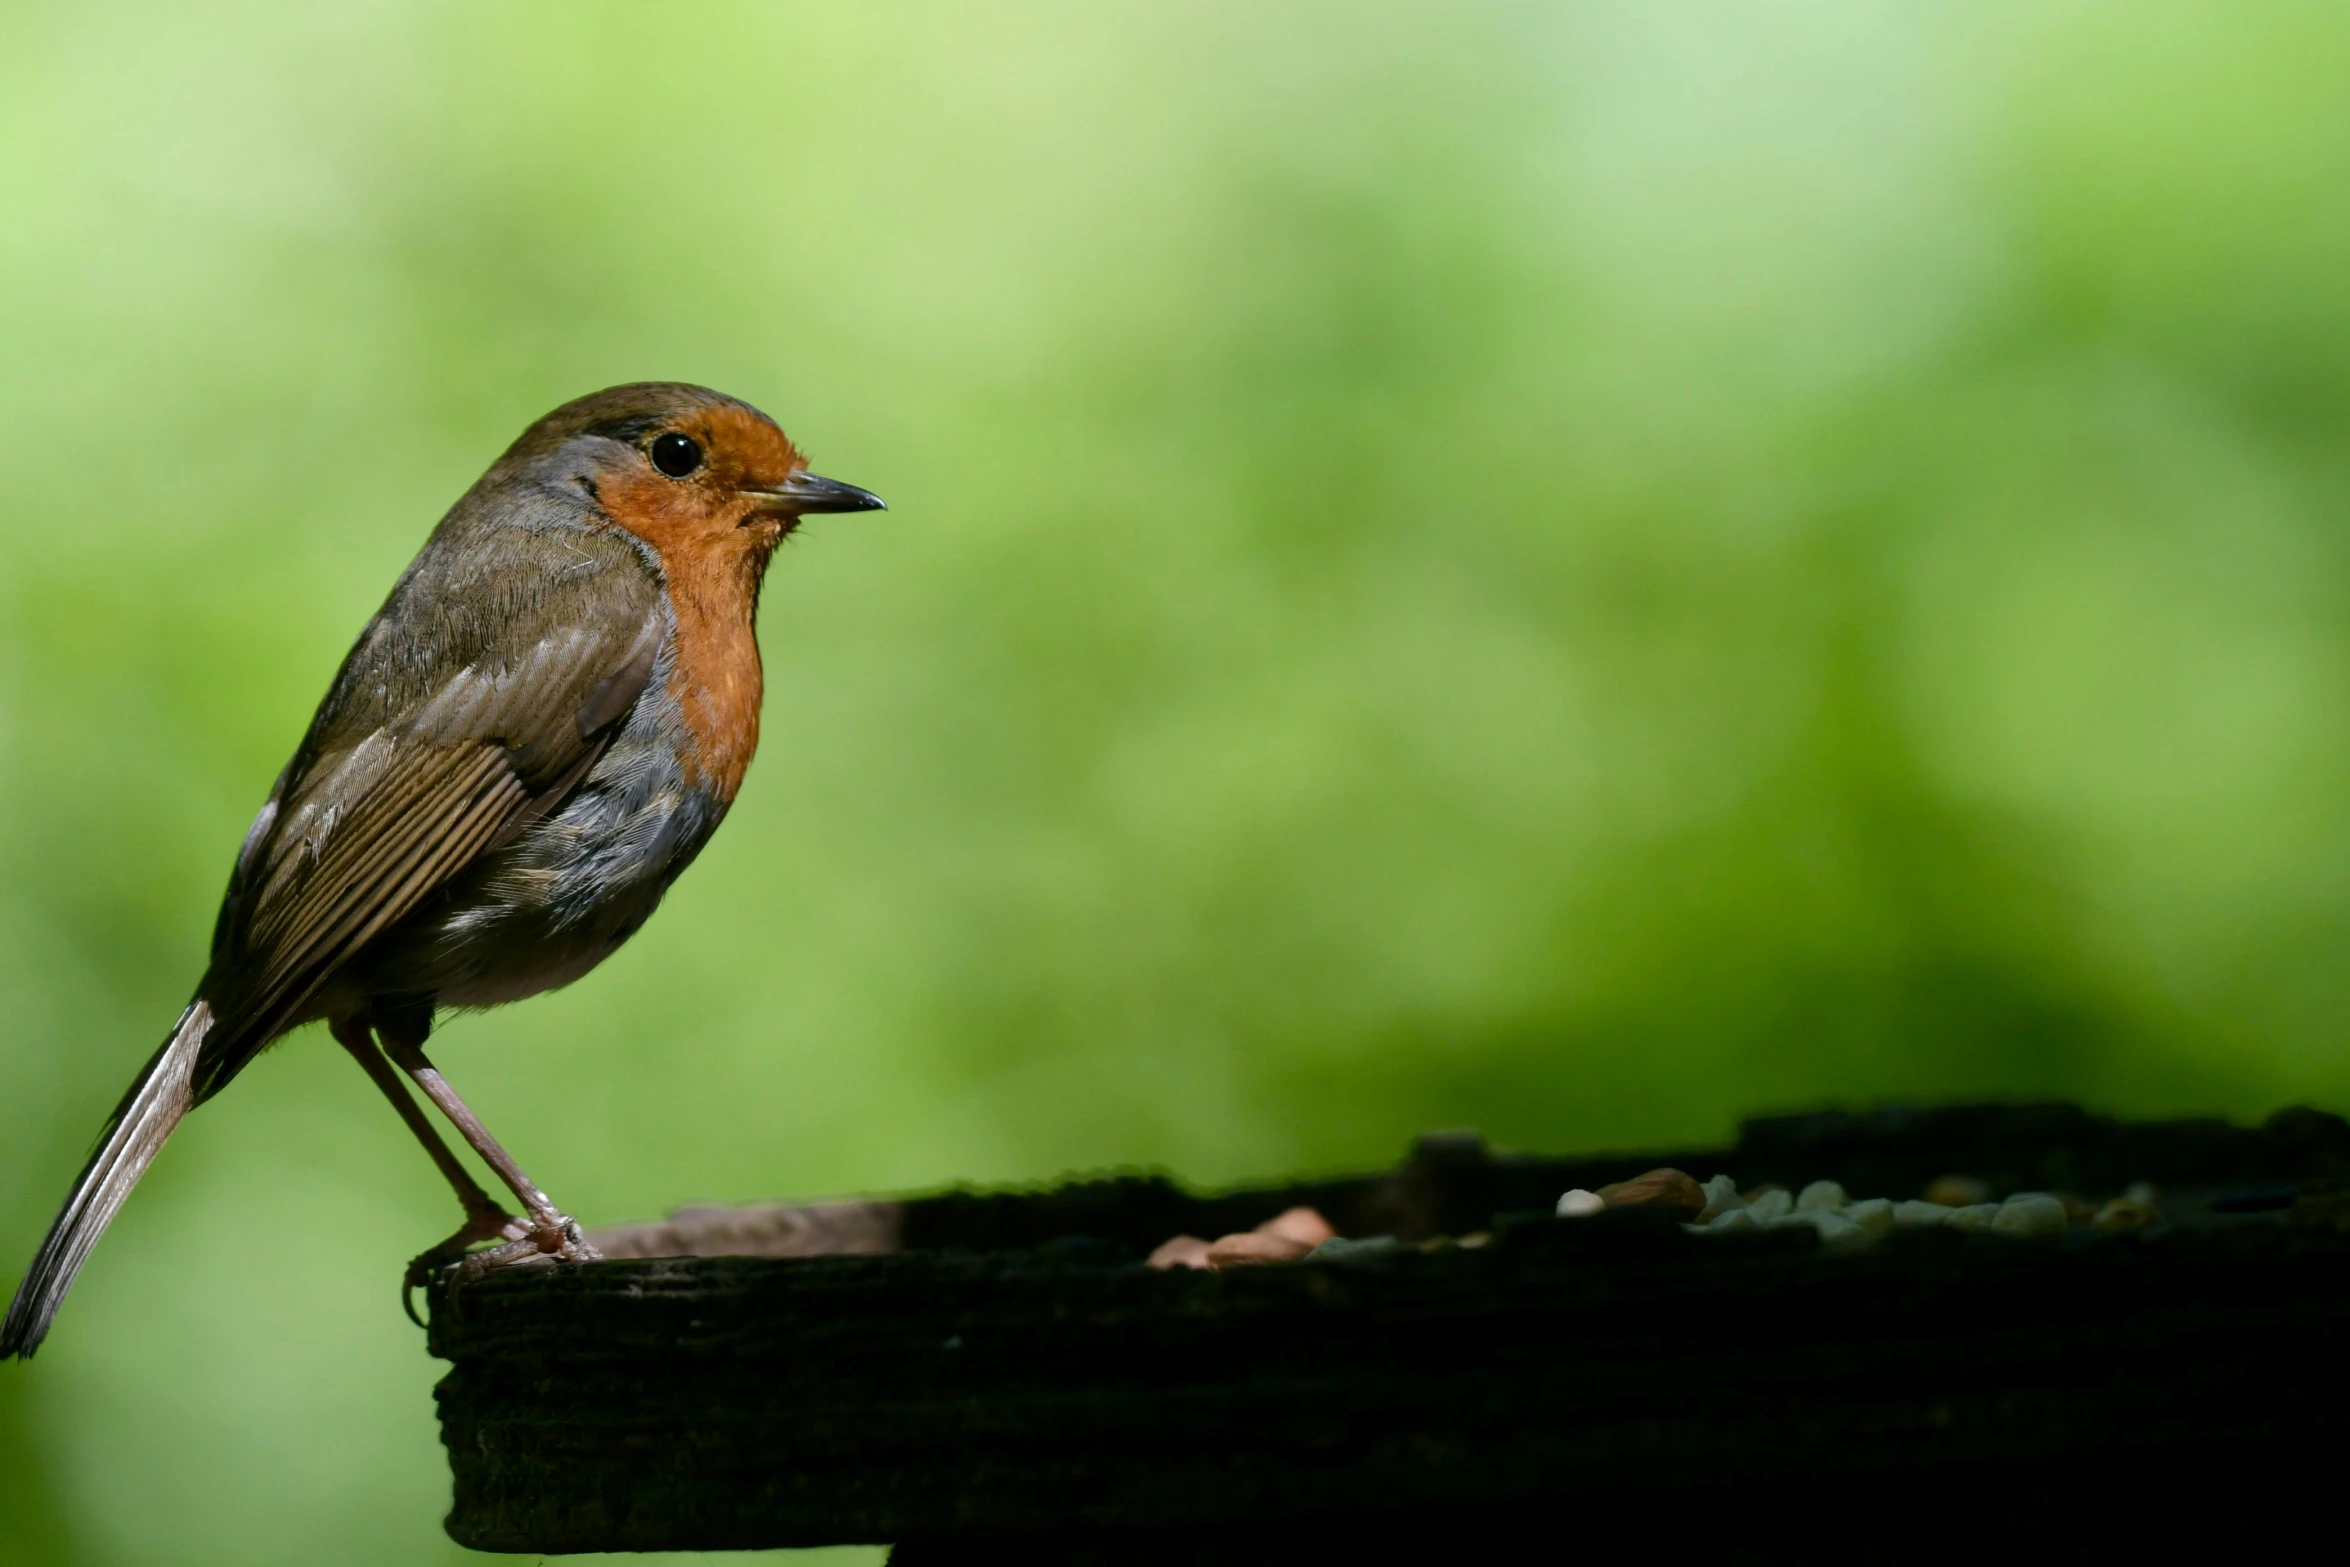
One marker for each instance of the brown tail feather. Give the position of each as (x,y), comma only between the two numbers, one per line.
(133,1136)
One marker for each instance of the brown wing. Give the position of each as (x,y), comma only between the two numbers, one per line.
(445,734)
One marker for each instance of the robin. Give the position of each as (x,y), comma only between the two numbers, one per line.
(530,741)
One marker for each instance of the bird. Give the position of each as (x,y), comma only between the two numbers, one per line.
(527,745)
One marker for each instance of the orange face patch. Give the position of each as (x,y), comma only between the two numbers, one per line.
(714,547)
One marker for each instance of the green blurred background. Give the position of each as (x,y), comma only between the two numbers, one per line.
(1577,570)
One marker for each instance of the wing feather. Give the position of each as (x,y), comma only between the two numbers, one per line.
(416,767)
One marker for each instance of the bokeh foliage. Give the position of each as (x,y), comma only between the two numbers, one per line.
(1582,570)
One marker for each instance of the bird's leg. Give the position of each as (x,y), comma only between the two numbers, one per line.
(549,1231)
(484,1219)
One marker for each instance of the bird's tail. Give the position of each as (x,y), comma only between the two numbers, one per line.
(134,1134)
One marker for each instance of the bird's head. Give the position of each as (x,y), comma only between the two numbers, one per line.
(682,467)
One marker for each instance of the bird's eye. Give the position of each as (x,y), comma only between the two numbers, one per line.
(676,455)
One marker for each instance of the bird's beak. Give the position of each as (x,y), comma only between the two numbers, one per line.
(806,492)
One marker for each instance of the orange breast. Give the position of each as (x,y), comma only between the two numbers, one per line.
(713,570)
(716,678)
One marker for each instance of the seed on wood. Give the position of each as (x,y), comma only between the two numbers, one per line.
(1666,1188)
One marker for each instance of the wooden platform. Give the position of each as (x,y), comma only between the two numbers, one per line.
(994,1377)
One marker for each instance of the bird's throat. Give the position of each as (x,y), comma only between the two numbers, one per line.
(714,675)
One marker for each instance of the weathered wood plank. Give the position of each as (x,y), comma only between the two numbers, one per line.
(1014,1379)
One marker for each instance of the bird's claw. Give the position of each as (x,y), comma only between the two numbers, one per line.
(556,1238)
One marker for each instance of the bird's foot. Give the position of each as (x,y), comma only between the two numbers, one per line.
(483,1222)
(555,1237)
